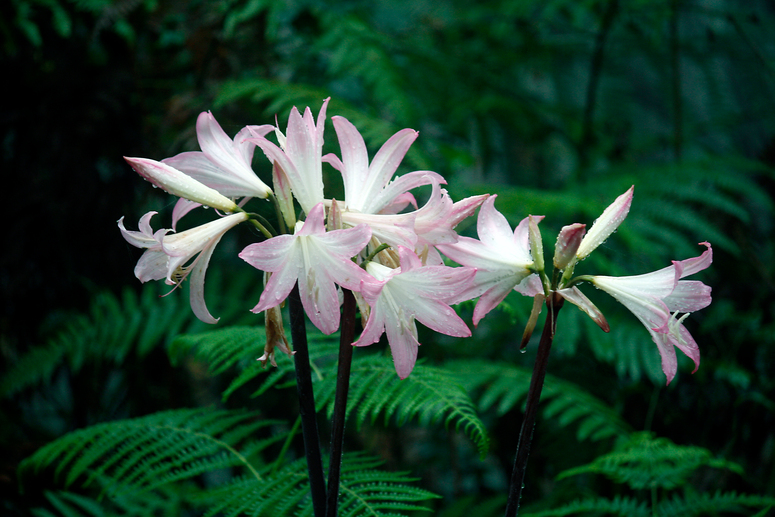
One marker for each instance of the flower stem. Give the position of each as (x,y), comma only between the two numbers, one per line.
(554,304)
(309,425)
(346,335)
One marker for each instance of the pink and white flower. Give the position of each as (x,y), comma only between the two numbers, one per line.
(153,263)
(368,188)
(299,155)
(502,259)
(411,292)
(223,164)
(374,198)
(658,297)
(178,255)
(314,258)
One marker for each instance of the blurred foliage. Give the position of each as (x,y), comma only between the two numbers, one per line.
(555,106)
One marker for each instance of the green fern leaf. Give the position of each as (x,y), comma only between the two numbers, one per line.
(621,506)
(71,504)
(645,462)
(365,491)
(114,329)
(712,504)
(149,452)
(504,385)
(429,394)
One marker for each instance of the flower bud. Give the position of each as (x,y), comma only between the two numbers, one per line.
(567,244)
(179,184)
(606,224)
(536,245)
(282,192)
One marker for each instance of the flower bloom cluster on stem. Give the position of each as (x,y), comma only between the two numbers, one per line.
(506,260)
(380,244)
(376,242)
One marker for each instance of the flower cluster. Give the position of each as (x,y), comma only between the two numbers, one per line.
(378,243)
(368,242)
(504,261)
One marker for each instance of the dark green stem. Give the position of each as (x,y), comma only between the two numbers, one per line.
(675,81)
(554,304)
(346,335)
(309,425)
(595,69)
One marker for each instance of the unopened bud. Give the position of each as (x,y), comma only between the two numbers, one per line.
(179,184)
(568,242)
(606,224)
(536,245)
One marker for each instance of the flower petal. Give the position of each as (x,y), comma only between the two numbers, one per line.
(580,300)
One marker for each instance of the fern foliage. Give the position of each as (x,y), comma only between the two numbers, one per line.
(116,328)
(502,386)
(364,491)
(138,463)
(714,503)
(618,506)
(430,394)
(146,453)
(113,329)
(65,503)
(645,461)
(658,465)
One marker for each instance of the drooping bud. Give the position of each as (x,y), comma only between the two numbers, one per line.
(275,336)
(568,242)
(538,303)
(179,184)
(606,224)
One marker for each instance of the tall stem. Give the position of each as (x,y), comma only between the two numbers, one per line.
(346,335)
(554,304)
(675,82)
(309,425)
(595,69)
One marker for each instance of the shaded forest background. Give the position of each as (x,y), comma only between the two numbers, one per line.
(556,106)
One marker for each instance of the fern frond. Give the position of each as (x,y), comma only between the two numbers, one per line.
(429,394)
(149,452)
(239,347)
(621,506)
(365,491)
(281,96)
(72,504)
(504,385)
(648,462)
(712,504)
(113,329)
(468,506)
